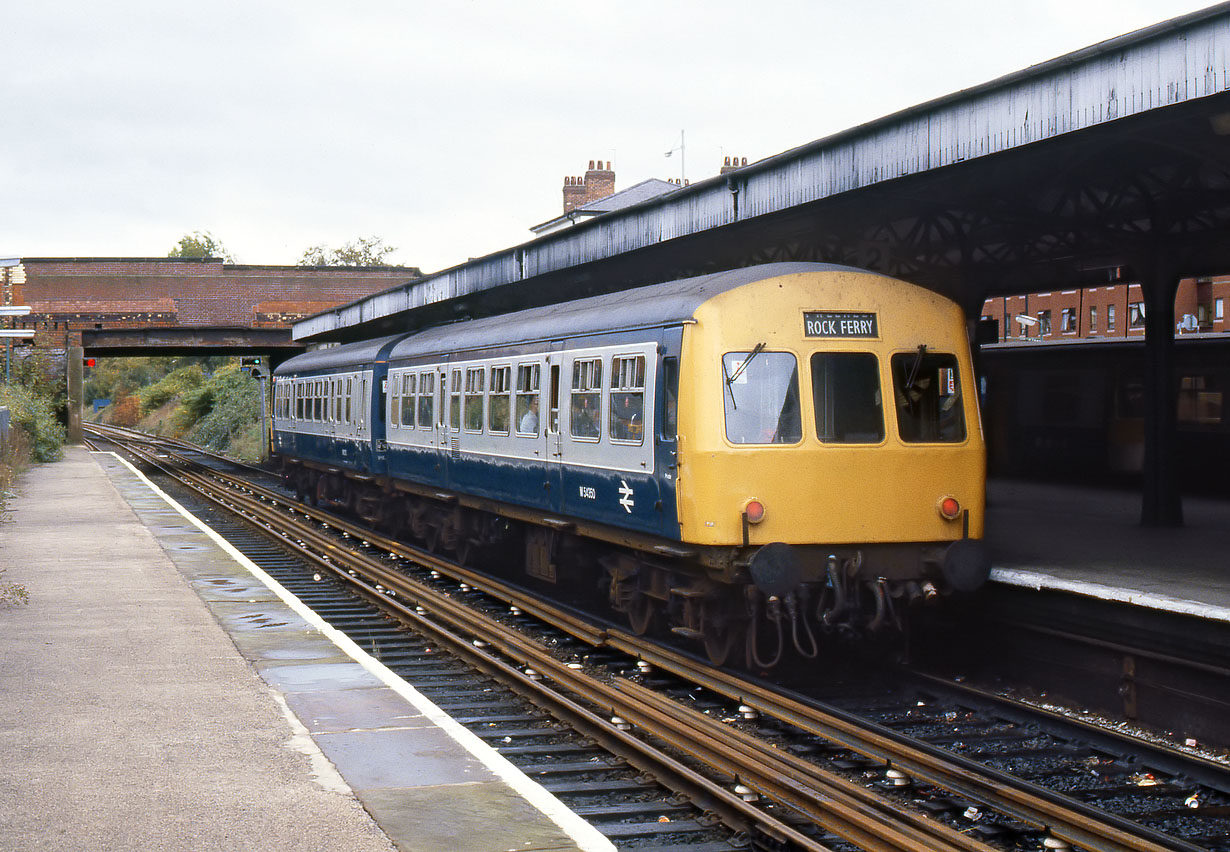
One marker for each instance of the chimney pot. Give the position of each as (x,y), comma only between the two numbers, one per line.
(591,165)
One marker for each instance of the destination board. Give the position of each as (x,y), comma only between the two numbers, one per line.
(839,324)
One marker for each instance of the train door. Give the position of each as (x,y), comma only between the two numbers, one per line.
(379,419)
(555,427)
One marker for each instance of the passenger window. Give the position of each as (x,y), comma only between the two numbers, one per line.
(586,406)
(627,419)
(427,398)
(761,397)
(927,390)
(454,402)
(349,395)
(474,398)
(670,399)
(527,399)
(498,405)
(409,389)
(298,401)
(845,389)
(318,402)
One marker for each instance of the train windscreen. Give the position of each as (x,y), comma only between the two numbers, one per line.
(762,397)
(927,389)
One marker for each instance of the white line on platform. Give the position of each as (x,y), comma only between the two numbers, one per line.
(587,837)
(1039,579)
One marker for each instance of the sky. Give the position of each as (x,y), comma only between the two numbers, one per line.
(446,128)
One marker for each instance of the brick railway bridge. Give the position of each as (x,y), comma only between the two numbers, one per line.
(175,306)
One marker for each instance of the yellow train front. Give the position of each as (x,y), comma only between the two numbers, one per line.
(830,470)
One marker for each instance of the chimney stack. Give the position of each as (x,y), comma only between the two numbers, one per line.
(598,182)
(729,164)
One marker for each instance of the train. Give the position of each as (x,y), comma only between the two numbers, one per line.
(746,460)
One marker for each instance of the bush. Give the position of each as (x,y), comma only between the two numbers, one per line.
(33,414)
(126,412)
(226,406)
(176,383)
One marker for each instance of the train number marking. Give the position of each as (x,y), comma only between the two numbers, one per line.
(588,492)
(625,496)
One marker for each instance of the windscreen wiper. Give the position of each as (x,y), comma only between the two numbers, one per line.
(756,350)
(918,359)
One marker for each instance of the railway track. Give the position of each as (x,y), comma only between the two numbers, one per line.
(738,761)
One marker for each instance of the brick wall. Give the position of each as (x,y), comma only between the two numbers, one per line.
(68,295)
(1112,311)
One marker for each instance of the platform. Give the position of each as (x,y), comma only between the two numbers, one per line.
(159,694)
(1089,541)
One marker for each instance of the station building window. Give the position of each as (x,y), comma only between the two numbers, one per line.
(1110,317)
(1093,319)
(585,412)
(1068,321)
(845,388)
(1136,315)
(1200,400)
(627,419)
(762,397)
(1044,323)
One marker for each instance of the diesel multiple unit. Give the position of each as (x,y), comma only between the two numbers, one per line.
(745,458)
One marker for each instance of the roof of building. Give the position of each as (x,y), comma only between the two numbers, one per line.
(635,194)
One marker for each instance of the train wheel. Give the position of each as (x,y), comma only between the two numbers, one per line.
(721,633)
(641,612)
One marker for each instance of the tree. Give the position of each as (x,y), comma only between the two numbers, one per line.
(365,251)
(200,244)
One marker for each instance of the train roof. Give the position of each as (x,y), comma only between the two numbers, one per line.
(336,356)
(651,306)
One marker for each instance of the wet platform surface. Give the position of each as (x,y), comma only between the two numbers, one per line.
(1089,541)
(333,751)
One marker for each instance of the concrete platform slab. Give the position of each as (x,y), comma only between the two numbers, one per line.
(1089,541)
(130,722)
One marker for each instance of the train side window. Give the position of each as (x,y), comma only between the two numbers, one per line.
(339,400)
(527,399)
(475,380)
(670,399)
(349,396)
(927,391)
(318,402)
(454,401)
(585,412)
(427,398)
(761,397)
(845,388)
(498,405)
(553,417)
(298,386)
(409,390)
(627,417)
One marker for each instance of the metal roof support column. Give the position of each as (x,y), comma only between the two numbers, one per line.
(1161,504)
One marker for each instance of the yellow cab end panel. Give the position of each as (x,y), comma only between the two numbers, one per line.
(816,492)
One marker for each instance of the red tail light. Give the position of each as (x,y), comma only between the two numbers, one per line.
(949,508)
(754,510)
